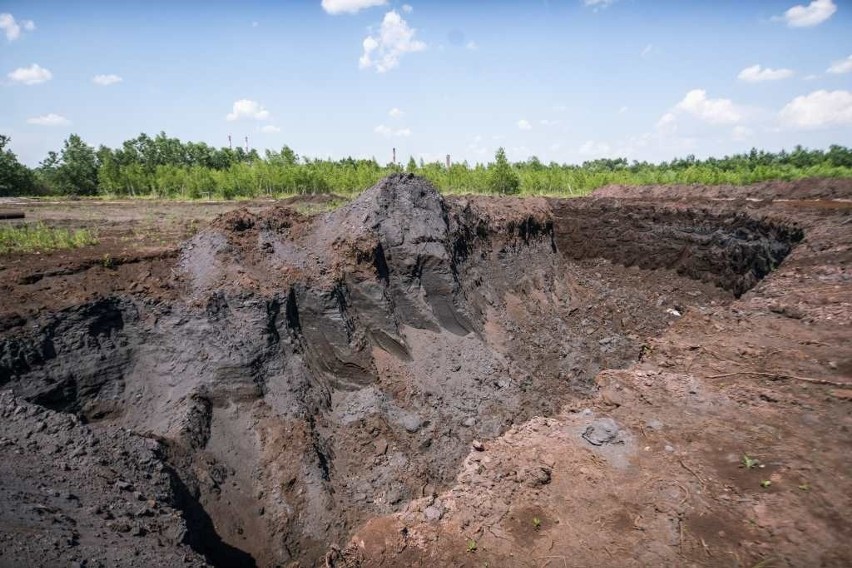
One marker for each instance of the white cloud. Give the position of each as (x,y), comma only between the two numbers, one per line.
(524,124)
(49,120)
(395,113)
(648,49)
(395,38)
(106,80)
(245,108)
(32,75)
(407,8)
(756,74)
(335,7)
(667,123)
(594,149)
(741,133)
(842,66)
(388,132)
(813,14)
(596,4)
(622,110)
(270,129)
(12,28)
(471,45)
(548,122)
(819,109)
(714,111)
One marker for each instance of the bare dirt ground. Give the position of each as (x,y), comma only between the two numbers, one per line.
(651,376)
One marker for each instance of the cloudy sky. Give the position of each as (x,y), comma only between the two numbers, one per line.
(566,80)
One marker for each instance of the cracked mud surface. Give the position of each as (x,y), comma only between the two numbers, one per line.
(417,380)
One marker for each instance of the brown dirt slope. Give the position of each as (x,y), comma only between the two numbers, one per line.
(727,445)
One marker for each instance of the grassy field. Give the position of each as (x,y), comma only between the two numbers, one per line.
(39,237)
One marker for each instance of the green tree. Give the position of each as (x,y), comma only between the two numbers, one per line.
(15,178)
(412,165)
(501,178)
(77,173)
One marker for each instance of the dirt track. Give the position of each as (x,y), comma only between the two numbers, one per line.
(411,380)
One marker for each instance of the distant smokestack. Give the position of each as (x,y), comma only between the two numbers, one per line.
(230,145)
(247,145)
(394,156)
(448,161)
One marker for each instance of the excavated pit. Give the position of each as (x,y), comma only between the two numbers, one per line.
(317,372)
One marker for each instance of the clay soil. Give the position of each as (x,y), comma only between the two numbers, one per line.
(650,376)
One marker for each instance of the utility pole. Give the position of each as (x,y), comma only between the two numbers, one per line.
(247,146)
(230,145)
(394,156)
(448,161)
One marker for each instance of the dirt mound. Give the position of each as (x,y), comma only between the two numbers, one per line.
(310,374)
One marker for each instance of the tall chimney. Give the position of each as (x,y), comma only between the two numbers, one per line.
(247,145)
(230,145)
(448,161)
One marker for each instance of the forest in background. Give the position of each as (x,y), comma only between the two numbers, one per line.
(166,167)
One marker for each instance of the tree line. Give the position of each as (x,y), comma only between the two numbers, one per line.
(166,167)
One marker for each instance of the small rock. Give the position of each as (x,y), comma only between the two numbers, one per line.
(669,449)
(433,513)
(411,423)
(119,526)
(381,446)
(469,422)
(477,445)
(654,424)
(538,476)
(602,431)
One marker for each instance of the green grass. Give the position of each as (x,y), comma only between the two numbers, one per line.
(39,237)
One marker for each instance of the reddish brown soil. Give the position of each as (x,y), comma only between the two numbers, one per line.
(768,376)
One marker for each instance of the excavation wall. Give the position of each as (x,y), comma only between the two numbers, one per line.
(734,251)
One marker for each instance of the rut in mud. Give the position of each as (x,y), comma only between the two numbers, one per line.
(318,372)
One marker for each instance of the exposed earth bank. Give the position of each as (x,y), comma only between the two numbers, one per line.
(651,376)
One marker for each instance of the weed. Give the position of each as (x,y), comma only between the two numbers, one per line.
(750,463)
(537,523)
(765,483)
(107,261)
(471,545)
(805,486)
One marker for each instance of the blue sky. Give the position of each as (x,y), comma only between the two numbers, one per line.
(565,80)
